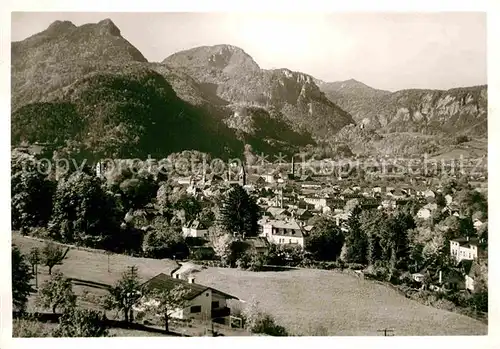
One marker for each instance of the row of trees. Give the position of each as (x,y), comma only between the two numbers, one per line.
(57,294)
(85,210)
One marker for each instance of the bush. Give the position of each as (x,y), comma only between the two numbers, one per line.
(216,263)
(39,232)
(458,298)
(461,139)
(202,254)
(243,262)
(479,301)
(265,324)
(444,304)
(29,328)
(257,321)
(257,262)
(355,266)
(377,272)
(285,255)
(164,242)
(81,323)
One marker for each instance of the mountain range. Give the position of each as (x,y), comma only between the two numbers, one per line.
(87,90)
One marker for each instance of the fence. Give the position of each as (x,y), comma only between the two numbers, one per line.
(54,318)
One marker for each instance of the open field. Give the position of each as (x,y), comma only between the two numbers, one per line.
(309,301)
(305,301)
(93,266)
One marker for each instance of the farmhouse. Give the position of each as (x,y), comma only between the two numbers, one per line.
(203,302)
(194,229)
(282,231)
(318,203)
(464,248)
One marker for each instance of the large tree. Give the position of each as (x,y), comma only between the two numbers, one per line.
(34,259)
(356,239)
(325,240)
(239,212)
(373,224)
(31,193)
(84,212)
(221,242)
(139,190)
(165,302)
(21,280)
(52,255)
(397,239)
(164,241)
(189,206)
(57,292)
(125,293)
(470,201)
(399,225)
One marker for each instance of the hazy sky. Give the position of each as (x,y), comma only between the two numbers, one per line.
(385,50)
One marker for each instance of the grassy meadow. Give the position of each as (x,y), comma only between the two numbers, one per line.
(322,302)
(305,301)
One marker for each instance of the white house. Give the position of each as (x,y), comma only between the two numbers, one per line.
(282,232)
(204,303)
(477,223)
(429,194)
(449,199)
(318,203)
(464,248)
(389,204)
(269,178)
(184,180)
(195,229)
(424,213)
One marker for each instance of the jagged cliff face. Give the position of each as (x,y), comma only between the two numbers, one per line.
(461,110)
(215,61)
(234,76)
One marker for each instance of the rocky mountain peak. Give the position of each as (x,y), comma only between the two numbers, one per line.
(224,58)
(106,26)
(60,26)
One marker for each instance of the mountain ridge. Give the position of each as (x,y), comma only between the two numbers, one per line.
(295,94)
(222,92)
(429,111)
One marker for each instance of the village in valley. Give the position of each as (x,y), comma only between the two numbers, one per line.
(423,233)
(182,189)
